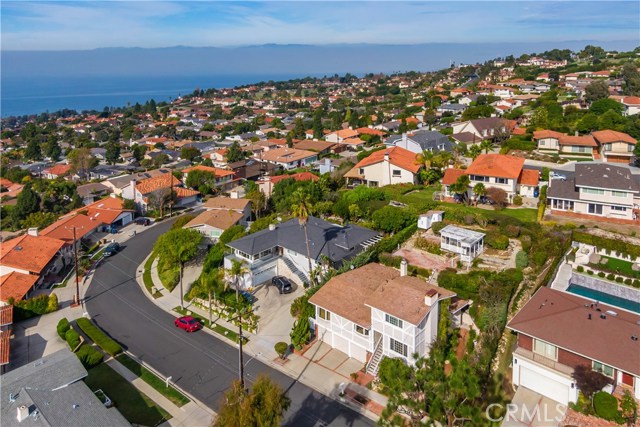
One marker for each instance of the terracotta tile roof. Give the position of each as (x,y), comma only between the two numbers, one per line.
(541,134)
(607,136)
(498,165)
(398,156)
(529,177)
(583,141)
(6,315)
(29,253)
(227,203)
(519,131)
(185,192)
(451,175)
(58,170)
(4,347)
(352,294)
(106,210)
(217,218)
(302,176)
(150,185)
(352,141)
(370,131)
(562,319)
(286,155)
(16,285)
(317,146)
(630,100)
(346,133)
(217,171)
(63,228)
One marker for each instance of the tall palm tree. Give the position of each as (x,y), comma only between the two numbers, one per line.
(301,208)
(486,145)
(474,151)
(237,271)
(424,158)
(479,190)
(209,284)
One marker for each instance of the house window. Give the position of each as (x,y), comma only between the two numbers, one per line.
(264,253)
(618,208)
(593,191)
(398,347)
(393,320)
(545,349)
(607,147)
(362,331)
(595,209)
(361,171)
(396,172)
(324,314)
(618,194)
(605,370)
(501,180)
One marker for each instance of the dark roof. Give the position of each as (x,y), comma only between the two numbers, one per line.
(466,137)
(575,324)
(335,241)
(563,189)
(91,188)
(452,107)
(426,139)
(488,123)
(604,175)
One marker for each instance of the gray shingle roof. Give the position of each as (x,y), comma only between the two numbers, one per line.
(426,139)
(604,175)
(561,189)
(325,238)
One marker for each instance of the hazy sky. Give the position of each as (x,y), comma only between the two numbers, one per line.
(49,25)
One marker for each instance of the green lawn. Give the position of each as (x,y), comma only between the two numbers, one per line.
(153,380)
(215,327)
(522,214)
(134,405)
(621,266)
(146,276)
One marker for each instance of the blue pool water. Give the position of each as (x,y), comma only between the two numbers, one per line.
(604,298)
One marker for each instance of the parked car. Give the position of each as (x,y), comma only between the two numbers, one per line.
(250,298)
(188,323)
(283,284)
(143,221)
(111,249)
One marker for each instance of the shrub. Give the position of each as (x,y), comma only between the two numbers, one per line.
(619,279)
(180,222)
(52,303)
(606,406)
(512,231)
(617,245)
(627,282)
(636,283)
(539,258)
(391,219)
(517,200)
(300,333)
(601,274)
(89,356)
(72,338)
(99,337)
(498,241)
(580,269)
(281,348)
(437,226)
(63,327)
(611,276)
(590,272)
(36,306)
(522,259)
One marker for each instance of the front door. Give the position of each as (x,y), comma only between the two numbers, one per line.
(627,379)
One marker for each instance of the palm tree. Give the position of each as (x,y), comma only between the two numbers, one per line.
(474,151)
(209,284)
(301,208)
(237,271)
(424,158)
(479,190)
(486,145)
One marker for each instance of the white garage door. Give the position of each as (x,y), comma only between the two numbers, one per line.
(325,335)
(544,385)
(262,276)
(341,344)
(358,352)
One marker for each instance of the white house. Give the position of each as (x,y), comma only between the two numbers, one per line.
(290,158)
(393,165)
(212,223)
(466,243)
(226,204)
(375,311)
(427,219)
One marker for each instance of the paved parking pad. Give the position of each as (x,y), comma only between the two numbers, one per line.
(349,366)
(333,359)
(317,351)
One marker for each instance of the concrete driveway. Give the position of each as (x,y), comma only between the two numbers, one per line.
(531,409)
(275,321)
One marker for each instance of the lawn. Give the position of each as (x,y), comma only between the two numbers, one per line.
(134,405)
(146,276)
(215,327)
(153,380)
(522,214)
(622,267)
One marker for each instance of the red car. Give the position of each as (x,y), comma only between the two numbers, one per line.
(187,323)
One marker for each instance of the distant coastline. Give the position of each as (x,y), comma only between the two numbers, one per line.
(35,94)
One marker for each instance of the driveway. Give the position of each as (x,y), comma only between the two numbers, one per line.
(531,409)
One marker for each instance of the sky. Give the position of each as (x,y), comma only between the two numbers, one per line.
(83,25)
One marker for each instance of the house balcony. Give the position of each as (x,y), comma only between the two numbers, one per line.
(259,264)
(543,361)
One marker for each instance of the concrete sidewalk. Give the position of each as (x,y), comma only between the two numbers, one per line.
(300,367)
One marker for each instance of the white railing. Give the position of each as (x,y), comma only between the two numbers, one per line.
(377,347)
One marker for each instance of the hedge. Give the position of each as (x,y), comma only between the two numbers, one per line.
(522,259)
(616,245)
(99,337)
(606,406)
(63,327)
(72,338)
(36,306)
(89,356)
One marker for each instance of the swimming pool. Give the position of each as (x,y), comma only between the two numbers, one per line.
(604,298)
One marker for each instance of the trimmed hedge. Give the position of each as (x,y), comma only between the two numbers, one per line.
(89,356)
(100,338)
(72,338)
(616,245)
(606,406)
(32,307)
(62,327)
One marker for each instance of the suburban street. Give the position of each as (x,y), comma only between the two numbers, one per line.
(199,363)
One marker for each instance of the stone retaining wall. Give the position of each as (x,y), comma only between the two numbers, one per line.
(597,284)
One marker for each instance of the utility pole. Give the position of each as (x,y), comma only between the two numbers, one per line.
(75,253)
(171,193)
(240,357)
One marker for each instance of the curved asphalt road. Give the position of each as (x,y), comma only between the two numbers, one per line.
(199,363)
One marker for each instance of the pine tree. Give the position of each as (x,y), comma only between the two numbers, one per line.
(52,148)
(33,151)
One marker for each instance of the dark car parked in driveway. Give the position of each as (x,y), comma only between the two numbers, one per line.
(283,284)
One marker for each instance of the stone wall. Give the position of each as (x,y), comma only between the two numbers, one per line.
(597,284)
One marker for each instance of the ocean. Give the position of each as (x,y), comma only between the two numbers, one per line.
(36,94)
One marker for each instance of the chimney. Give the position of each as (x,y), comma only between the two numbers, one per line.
(386,156)
(133,184)
(272,227)
(33,231)
(431,298)
(23,413)
(404,267)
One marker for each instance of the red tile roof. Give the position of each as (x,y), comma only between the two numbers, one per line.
(529,177)
(217,171)
(216,218)
(498,165)
(63,228)
(150,185)
(302,176)
(608,136)
(4,347)
(6,315)
(16,285)
(106,210)
(58,170)
(29,253)
(542,134)
(370,131)
(583,141)
(398,156)
(571,322)
(227,203)
(451,176)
